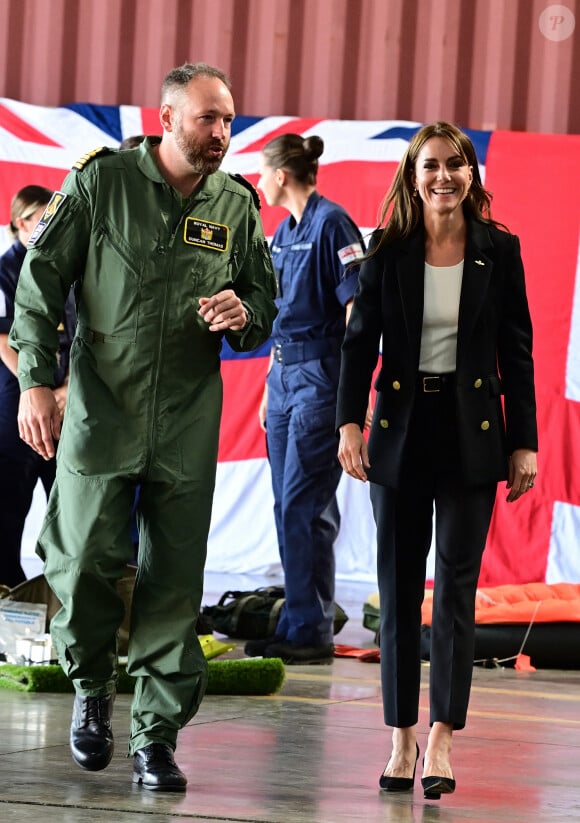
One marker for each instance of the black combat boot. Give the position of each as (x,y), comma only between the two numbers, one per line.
(91,735)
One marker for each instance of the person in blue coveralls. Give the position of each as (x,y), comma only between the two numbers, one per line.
(20,466)
(312,250)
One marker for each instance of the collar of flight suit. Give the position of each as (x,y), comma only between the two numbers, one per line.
(211,185)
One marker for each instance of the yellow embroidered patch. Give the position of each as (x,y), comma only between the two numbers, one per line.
(51,209)
(205,233)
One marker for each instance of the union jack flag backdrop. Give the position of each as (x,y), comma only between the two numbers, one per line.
(534,180)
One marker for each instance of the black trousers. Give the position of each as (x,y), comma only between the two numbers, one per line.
(431,479)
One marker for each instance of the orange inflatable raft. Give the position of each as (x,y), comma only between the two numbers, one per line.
(541,620)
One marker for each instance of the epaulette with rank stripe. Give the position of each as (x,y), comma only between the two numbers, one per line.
(252,189)
(90,155)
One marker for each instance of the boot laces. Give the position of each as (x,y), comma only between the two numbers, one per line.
(96,711)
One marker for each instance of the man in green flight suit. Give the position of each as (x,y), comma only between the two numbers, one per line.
(168,256)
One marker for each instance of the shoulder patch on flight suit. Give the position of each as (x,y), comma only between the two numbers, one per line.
(90,155)
(48,214)
(252,189)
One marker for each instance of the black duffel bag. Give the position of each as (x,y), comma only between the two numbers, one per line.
(254,615)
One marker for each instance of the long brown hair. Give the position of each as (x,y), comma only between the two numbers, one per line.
(401,213)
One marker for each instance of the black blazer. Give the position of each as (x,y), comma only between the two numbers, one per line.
(494,354)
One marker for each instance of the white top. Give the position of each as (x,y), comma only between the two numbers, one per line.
(440,312)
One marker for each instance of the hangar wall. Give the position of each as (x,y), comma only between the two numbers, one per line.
(485,64)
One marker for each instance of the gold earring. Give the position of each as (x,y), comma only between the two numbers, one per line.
(414,192)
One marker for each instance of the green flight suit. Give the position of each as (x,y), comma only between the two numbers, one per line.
(143,407)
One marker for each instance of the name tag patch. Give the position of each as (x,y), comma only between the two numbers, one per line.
(51,209)
(204,233)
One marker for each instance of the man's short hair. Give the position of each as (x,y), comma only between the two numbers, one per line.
(179,77)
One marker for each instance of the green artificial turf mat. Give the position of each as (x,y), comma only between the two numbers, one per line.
(253,676)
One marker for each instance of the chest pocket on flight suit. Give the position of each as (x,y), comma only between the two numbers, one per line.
(113,278)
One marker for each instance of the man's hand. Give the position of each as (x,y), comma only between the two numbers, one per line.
(60,397)
(223,311)
(39,420)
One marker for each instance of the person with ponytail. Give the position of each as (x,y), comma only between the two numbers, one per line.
(315,250)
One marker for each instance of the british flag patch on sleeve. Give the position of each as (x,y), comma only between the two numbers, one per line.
(350,253)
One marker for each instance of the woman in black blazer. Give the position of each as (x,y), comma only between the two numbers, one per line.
(443,286)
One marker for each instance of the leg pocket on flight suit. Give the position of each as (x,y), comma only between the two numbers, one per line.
(316,380)
(46,530)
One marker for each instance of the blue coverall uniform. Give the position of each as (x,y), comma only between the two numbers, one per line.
(315,283)
(20,466)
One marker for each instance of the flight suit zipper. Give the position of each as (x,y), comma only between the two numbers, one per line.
(162,250)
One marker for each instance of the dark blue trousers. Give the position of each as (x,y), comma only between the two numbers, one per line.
(302,449)
(19,472)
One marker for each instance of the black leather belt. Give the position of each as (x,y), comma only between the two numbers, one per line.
(298,352)
(432,383)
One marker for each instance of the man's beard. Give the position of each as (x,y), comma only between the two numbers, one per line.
(197,153)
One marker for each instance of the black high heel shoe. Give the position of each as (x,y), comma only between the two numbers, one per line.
(398,784)
(434,787)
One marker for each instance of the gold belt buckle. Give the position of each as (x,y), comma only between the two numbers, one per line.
(426,380)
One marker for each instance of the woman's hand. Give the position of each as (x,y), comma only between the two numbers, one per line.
(352,451)
(522,472)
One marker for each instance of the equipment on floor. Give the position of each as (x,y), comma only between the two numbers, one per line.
(37,590)
(539,620)
(253,615)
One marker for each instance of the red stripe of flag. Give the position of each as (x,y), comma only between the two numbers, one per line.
(296,126)
(22,130)
(14,176)
(241,437)
(150,121)
(530,176)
